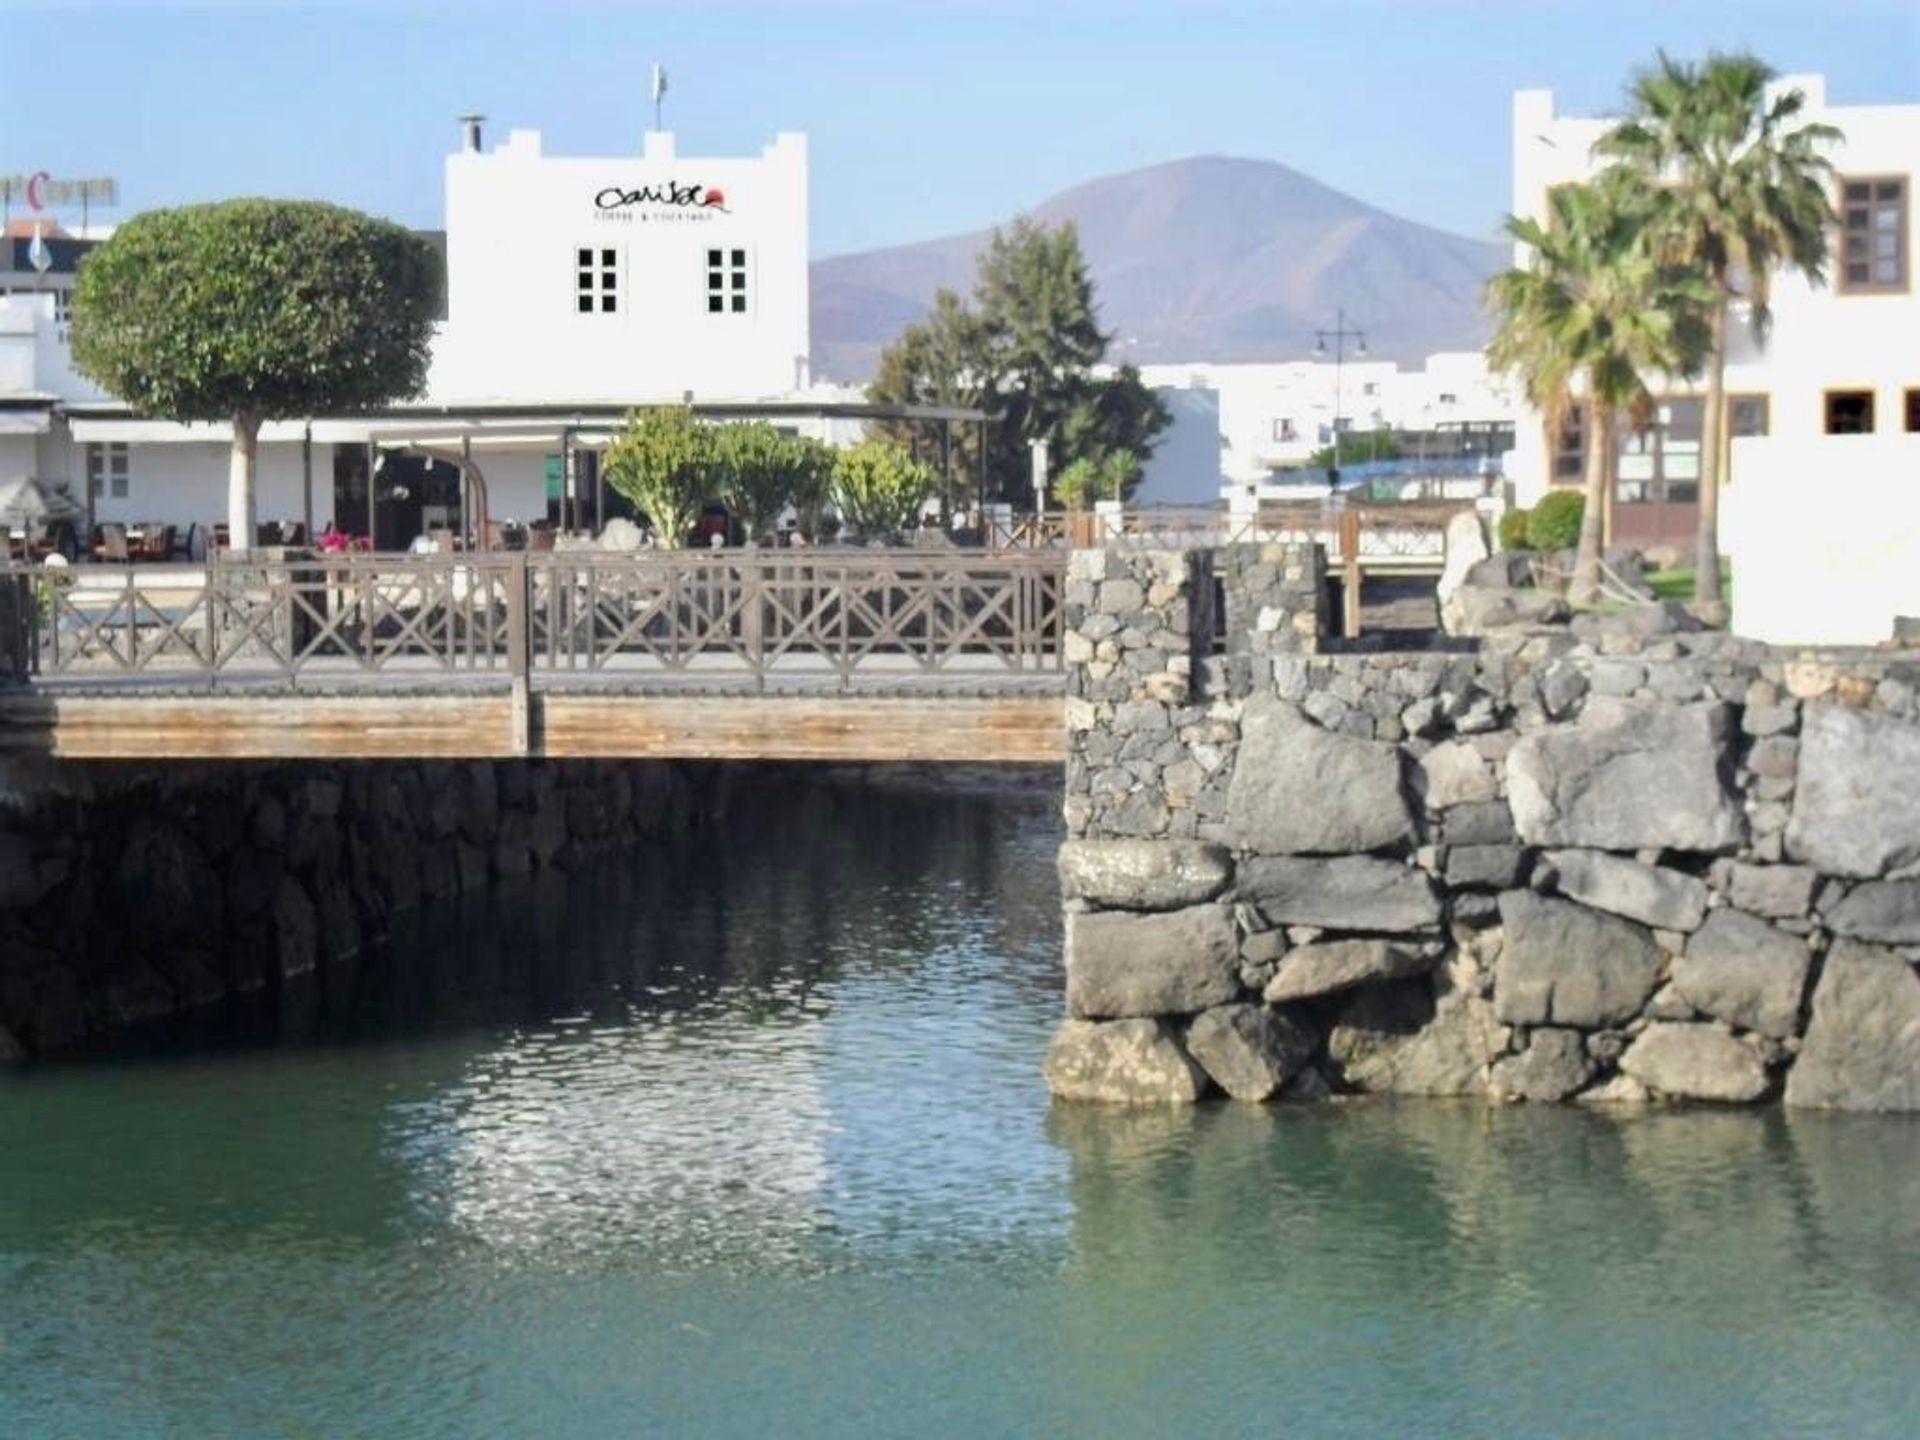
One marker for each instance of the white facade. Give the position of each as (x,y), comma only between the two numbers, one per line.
(1838,338)
(626,278)
(1267,416)
(1835,572)
(576,288)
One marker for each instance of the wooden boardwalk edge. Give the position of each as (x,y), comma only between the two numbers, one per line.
(1010,728)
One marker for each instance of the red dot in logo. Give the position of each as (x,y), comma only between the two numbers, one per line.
(714,197)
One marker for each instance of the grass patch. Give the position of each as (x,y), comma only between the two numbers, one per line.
(1677,583)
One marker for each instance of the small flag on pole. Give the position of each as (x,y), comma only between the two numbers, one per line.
(659,90)
(38,255)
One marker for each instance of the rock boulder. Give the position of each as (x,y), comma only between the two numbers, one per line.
(1250,1051)
(1628,778)
(1665,899)
(1346,892)
(1409,1039)
(1121,965)
(1553,1066)
(1300,790)
(1862,1047)
(1143,874)
(1695,1062)
(1856,804)
(1121,1062)
(1563,964)
(1323,966)
(1745,972)
(1887,911)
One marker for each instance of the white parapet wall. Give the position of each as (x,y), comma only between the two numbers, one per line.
(1824,536)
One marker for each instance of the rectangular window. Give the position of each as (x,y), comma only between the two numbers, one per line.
(1849,412)
(726,282)
(107,470)
(1913,412)
(62,306)
(1284,432)
(1873,234)
(596,280)
(1748,415)
(1661,464)
(1570,452)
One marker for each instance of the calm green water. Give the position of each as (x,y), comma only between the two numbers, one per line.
(756,1146)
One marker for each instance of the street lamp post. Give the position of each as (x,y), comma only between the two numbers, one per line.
(1340,334)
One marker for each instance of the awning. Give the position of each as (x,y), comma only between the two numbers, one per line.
(25,422)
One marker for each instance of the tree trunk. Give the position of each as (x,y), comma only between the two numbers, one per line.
(240,503)
(1713,427)
(1585,587)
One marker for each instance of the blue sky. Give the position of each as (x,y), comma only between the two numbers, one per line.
(925,117)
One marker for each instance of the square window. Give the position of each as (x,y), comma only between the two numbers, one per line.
(606,304)
(586,304)
(586,279)
(739,279)
(739,304)
(585,257)
(739,258)
(713,258)
(1849,412)
(716,281)
(1748,415)
(716,304)
(606,258)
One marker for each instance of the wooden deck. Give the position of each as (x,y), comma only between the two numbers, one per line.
(715,725)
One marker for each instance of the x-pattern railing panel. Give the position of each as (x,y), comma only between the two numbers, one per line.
(839,611)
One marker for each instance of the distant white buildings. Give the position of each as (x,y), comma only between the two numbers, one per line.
(1239,427)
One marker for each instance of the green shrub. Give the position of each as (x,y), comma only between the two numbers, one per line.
(1513,530)
(1554,523)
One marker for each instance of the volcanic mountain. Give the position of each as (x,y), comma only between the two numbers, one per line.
(1204,259)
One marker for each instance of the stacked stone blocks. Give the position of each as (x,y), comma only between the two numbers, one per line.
(1578,863)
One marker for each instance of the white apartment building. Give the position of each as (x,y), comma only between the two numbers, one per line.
(577,287)
(1238,426)
(1841,366)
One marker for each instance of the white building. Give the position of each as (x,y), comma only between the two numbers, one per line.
(1237,427)
(576,288)
(1841,366)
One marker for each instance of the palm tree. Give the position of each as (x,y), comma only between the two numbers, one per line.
(1744,190)
(1597,306)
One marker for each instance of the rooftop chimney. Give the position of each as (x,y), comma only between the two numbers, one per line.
(470,125)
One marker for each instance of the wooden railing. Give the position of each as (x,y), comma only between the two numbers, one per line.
(824,615)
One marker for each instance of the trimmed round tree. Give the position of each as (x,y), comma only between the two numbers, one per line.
(254,310)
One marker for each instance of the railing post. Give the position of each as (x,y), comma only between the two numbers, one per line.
(520,654)
(1350,573)
(752,603)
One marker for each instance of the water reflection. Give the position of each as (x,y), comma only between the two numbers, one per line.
(752,1139)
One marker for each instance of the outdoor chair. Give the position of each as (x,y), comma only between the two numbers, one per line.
(156,545)
(540,538)
(294,533)
(110,544)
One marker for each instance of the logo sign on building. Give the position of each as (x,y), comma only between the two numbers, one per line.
(42,191)
(669,200)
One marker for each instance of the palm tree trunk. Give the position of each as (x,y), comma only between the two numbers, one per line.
(1585,587)
(240,489)
(1713,424)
